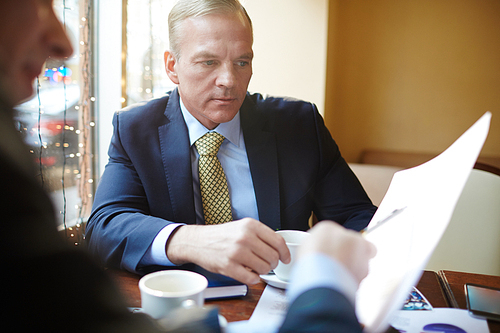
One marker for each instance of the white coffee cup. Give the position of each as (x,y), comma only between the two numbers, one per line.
(165,291)
(293,239)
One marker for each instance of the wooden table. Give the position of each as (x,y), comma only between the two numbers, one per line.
(242,308)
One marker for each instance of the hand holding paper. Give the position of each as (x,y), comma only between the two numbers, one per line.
(345,245)
(405,243)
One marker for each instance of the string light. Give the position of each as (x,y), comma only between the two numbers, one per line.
(84,108)
(76,162)
(39,132)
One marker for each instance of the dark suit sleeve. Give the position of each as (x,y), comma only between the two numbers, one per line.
(121,228)
(321,310)
(47,285)
(313,176)
(338,194)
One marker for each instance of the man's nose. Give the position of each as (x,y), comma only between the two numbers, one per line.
(226,76)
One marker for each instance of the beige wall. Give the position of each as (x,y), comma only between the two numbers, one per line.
(411,75)
(290,38)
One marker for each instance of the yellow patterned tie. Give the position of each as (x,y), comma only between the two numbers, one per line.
(213,184)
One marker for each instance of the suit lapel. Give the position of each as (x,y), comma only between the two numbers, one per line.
(262,155)
(175,154)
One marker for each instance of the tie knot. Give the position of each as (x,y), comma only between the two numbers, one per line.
(209,144)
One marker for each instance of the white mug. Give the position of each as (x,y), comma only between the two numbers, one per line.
(165,291)
(293,239)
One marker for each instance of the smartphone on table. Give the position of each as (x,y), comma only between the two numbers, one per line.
(483,301)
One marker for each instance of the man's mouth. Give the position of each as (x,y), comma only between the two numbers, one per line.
(224,100)
(32,71)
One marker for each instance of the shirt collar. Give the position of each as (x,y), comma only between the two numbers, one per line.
(230,130)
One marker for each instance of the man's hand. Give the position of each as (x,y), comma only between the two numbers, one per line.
(344,245)
(241,249)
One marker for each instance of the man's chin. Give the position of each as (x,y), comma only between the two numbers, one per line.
(215,118)
(11,98)
(24,95)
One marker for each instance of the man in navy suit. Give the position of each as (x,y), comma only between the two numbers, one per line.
(279,159)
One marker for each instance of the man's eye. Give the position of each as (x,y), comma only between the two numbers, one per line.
(209,62)
(242,63)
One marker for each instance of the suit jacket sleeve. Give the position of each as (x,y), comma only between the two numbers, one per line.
(124,220)
(48,285)
(339,196)
(321,310)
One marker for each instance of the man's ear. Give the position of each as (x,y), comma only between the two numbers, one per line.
(170,62)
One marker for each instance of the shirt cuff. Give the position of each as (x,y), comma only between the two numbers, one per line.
(156,254)
(321,271)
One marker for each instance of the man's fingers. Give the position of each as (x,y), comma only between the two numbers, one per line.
(259,263)
(276,243)
(346,246)
(243,275)
(283,250)
(230,248)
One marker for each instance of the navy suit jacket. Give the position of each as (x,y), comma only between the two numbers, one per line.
(321,310)
(295,164)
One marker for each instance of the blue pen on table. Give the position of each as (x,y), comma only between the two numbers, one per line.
(394,213)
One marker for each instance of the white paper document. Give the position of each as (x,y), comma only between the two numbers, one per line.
(267,316)
(405,243)
(271,308)
(438,320)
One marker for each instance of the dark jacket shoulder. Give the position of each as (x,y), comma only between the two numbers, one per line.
(277,104)
(142,110)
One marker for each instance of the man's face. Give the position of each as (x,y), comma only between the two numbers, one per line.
(214,68)
(29,34)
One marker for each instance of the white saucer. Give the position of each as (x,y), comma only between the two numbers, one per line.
(273,280)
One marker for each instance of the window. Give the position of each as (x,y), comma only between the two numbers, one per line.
(147,40)
(57,123)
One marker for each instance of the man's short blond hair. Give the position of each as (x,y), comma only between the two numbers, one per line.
(184,9)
